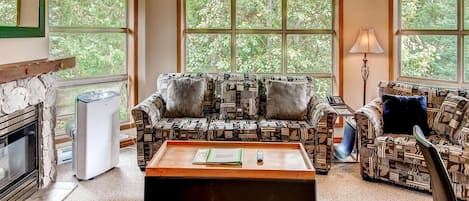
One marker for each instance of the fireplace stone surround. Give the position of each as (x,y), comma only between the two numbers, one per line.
(33,83)
(17,95)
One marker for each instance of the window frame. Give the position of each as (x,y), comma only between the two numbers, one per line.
(459,32)
(284,31)
(131,61)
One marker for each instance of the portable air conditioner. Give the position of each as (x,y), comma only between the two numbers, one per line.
(96,140)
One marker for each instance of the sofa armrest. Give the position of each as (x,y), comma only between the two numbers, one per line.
(146,114)
(319,111)
(369,120)
(322,118)
(152,108)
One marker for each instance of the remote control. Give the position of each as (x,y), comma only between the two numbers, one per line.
(260,155)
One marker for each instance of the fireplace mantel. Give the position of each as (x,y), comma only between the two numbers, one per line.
(16,71)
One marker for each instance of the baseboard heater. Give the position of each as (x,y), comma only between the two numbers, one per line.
(64,155)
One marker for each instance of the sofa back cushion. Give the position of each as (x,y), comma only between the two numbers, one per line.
(237,96)
(435,95)
(208,104)
(287,78)
(286,100)
(185,98)
(450,116)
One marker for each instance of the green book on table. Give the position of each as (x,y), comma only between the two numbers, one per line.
(226,156)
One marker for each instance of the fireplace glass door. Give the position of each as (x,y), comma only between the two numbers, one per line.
(18,154)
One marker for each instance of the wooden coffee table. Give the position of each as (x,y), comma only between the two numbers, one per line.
(285,174)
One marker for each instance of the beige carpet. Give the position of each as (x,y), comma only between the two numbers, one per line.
(57,191)
(125,182)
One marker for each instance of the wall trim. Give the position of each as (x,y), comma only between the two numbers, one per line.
(391,39)
(179,25)
(132,53)
(341,48)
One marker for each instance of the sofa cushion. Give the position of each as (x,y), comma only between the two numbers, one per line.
(181,129)
(450,115)
(238,96)
(286,100)
(238,130)
(401,113)
(286,130)
(185,98)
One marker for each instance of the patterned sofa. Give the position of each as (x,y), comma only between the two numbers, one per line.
(234,109)
(396,158)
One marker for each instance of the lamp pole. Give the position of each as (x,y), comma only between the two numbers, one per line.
(365,72)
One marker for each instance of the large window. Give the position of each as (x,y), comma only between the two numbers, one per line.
(432,40)
(95,32)
(260,36)
(8,12)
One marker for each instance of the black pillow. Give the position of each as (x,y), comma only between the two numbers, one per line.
(401,113)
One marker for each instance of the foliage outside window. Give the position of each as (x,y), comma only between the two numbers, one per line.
(430,36)
(261,36)
(8,12)
(95,32)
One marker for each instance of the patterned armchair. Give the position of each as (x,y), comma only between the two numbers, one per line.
(396,158)
(234,109)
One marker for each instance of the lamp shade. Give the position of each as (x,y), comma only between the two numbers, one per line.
(366,43)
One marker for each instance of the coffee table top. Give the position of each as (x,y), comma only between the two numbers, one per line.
(281,161)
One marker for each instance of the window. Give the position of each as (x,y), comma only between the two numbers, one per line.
(432,41)
(8,12)
(96,33)
(260,36)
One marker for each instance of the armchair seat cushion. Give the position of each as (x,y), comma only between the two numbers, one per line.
(400,151)
(181,128)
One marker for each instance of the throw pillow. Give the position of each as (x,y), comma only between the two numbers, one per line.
(185,98)
(287,100)
(450,115)
(401,113)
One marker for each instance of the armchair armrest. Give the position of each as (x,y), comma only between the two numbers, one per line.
(369,120)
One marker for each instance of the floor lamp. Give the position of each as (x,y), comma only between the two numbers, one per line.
(366,43)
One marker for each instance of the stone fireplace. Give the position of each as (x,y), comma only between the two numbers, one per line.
(38,91)
(27,123)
